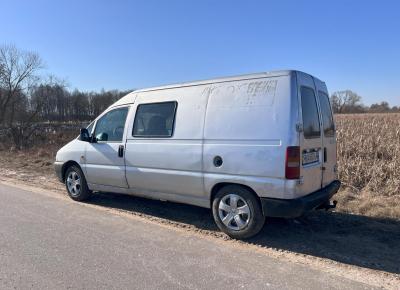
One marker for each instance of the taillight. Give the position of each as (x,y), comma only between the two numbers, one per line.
(292,166)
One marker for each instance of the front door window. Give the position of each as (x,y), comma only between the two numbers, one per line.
(110,127)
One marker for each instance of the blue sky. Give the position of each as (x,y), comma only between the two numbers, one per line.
(134,44)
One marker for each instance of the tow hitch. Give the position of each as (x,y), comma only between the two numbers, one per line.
(328,205)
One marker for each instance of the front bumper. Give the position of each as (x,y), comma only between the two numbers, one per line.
(290,208)
(58,169)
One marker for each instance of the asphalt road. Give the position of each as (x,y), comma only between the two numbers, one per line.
(53,243)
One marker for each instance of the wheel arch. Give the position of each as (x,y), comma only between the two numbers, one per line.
(218,186)
(67,165)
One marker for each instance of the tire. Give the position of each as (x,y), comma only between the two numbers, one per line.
(76,185)
(237,212)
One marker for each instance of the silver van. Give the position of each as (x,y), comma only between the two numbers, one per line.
(247,147)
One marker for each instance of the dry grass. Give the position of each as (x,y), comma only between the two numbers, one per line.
(369,164)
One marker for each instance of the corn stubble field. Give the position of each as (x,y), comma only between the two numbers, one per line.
(368,157)
(369,164)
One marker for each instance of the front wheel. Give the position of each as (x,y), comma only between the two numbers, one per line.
(237,212)
(76,185)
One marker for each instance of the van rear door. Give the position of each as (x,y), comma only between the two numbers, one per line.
(310,136)
(328,134)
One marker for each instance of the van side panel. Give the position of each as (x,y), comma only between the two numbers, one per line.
(170,168)
(248,124)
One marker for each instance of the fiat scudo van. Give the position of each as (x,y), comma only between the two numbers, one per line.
(246,147)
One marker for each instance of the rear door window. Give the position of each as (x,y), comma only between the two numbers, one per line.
(310,113)
(327,118)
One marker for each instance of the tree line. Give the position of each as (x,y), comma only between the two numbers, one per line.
(59,104)
(349,102)
(54,102)
(26,98)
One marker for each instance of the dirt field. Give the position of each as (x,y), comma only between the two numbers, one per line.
(369,164)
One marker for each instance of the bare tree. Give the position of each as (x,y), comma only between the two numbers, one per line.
(383,107)
(49,97)
(18,73)
(346,102)
(395,109)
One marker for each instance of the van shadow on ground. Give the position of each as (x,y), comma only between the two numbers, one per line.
(357,240)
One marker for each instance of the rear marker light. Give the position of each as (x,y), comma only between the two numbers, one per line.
(292,166)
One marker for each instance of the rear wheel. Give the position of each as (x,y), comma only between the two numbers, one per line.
(76,185)
(237,212)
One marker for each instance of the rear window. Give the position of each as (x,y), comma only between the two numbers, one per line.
(310,113)
(327,118)
(155,120)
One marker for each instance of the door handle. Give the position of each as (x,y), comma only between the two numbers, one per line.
(121,151)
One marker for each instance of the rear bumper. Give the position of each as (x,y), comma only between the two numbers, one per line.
(291,208)
(58,169)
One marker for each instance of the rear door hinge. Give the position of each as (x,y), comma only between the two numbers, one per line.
(299,127)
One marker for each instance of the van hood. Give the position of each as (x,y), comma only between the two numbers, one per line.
(71,151)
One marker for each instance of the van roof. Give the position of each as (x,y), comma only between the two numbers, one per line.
(219,80)
(130,97)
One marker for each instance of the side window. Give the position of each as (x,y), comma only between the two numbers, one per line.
(310,113)
(327,118)
(155,120)
(110,127)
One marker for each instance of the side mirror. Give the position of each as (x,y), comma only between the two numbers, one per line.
(84,135)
